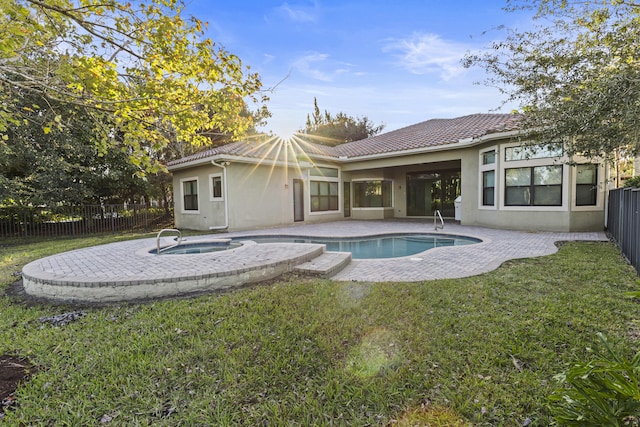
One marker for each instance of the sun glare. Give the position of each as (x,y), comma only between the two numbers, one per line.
(286,135)
(271,149)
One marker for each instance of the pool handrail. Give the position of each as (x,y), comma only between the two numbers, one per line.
(437,215)
(173,230)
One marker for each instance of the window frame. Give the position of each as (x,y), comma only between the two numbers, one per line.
(524,152)
(184,209)
(315,175)
(354,193)
(484,168)
(600,173)
(533,187)
(325,199)
(533,162)
(212,195)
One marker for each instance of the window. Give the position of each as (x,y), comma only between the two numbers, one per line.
(488,188)
(586,185)
(323,171)
(532,152)
(324,189)
(324,196)
(190,194)
(534,186)
(487,179)
(372,194)
(489,157)
(216,187)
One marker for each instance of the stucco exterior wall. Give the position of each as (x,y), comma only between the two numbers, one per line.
(469,186)
(257,196)
(260,196)
(209,213)
(567,217)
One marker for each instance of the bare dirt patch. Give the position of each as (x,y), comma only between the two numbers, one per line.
(13,371)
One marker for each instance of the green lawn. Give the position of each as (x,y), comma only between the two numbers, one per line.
(298,352)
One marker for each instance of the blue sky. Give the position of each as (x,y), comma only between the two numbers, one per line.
(396,62)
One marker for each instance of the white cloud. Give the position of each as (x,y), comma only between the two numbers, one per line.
(268,58)
(310,65)
(427,54)
(298,13)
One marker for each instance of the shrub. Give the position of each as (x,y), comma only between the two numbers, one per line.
(602,392)
(633,182)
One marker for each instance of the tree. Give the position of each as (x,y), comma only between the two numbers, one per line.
(140,62)
(334,130)
(63,165)
(576,74)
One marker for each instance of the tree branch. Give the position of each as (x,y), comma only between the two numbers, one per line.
(87,26)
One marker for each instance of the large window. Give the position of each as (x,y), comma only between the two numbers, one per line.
(586,185)
(324,196)
(533,186)
(190,194)
(324,189)
(372,194)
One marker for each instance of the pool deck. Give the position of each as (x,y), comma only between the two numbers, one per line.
(128,271)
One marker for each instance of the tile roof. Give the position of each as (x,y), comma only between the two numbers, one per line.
(431,133)
(262,148)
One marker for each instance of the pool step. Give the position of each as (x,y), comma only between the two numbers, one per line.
(325,265)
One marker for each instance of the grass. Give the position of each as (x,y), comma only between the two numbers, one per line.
(298,352)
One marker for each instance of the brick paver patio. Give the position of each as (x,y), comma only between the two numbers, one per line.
(124,266)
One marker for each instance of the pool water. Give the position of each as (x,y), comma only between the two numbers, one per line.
(391,246)
(198,248)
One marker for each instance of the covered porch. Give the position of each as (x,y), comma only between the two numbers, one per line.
(407,191)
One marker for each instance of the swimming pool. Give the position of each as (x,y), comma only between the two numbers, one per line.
(372,247)
(369,247)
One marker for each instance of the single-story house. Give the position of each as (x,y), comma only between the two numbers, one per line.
(406,173)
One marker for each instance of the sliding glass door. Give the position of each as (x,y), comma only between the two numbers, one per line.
(431,191)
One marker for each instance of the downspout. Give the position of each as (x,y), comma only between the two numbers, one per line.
(224,195)
(607,184)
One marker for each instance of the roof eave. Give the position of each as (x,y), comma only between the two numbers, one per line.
(248,160)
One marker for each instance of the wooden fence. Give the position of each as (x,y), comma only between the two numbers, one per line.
(80,220)
(623,222)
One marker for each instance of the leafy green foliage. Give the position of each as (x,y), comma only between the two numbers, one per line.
(605,391)
(576,74)
(633,182)
(63,165)
(144,64)
(333,130)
